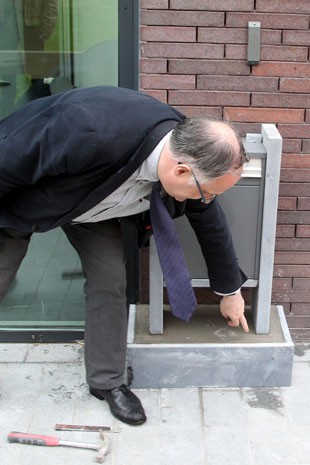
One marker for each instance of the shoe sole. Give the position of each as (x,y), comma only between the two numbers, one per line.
(95,394)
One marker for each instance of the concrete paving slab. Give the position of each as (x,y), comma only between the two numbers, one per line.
(41,385)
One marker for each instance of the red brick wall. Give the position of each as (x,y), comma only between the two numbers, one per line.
(194,57)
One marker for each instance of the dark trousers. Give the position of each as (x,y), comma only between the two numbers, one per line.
(100,248)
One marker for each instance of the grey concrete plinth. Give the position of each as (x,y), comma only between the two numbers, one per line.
(208,353)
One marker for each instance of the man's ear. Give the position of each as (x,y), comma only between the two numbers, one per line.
(181,169)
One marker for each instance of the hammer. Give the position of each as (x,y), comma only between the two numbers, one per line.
(41,440)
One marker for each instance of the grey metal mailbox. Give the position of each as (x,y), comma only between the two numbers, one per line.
(251,210)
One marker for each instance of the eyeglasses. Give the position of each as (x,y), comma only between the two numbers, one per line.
(205,198)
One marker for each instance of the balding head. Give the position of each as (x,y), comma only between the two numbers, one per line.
(212,148)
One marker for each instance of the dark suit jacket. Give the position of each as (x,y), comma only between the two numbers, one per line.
(61,155)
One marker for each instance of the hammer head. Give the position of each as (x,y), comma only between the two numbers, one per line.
(103,447)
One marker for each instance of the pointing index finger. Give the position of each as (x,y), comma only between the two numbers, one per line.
(244,324)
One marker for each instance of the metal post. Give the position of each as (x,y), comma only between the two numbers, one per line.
(272,142)
(156,315)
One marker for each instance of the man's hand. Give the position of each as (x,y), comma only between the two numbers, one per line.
(232,307)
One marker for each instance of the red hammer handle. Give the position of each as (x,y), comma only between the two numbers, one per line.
(33,439)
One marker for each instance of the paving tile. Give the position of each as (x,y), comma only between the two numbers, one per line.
(297,400)
(301,375)
(12,353)
(19,386)
(302,353)
(265,415)
(273,453)
(223,407)
(227,446)
(181,431)
(301,442)
(44,353)
(137,446)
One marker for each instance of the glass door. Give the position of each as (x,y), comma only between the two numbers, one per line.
(46,47)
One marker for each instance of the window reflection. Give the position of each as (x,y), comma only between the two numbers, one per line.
(46,47)
(49,46)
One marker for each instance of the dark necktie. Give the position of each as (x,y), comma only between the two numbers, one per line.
(176,276)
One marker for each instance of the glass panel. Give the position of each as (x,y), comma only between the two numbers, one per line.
(46,47)
(93,40)
(48,289)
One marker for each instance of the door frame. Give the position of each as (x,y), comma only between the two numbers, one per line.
(128,43)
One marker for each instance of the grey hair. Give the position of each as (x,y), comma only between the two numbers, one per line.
(199,143)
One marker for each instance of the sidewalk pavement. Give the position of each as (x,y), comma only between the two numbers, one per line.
(44,384)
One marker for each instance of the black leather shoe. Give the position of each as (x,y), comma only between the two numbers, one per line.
(123,404)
